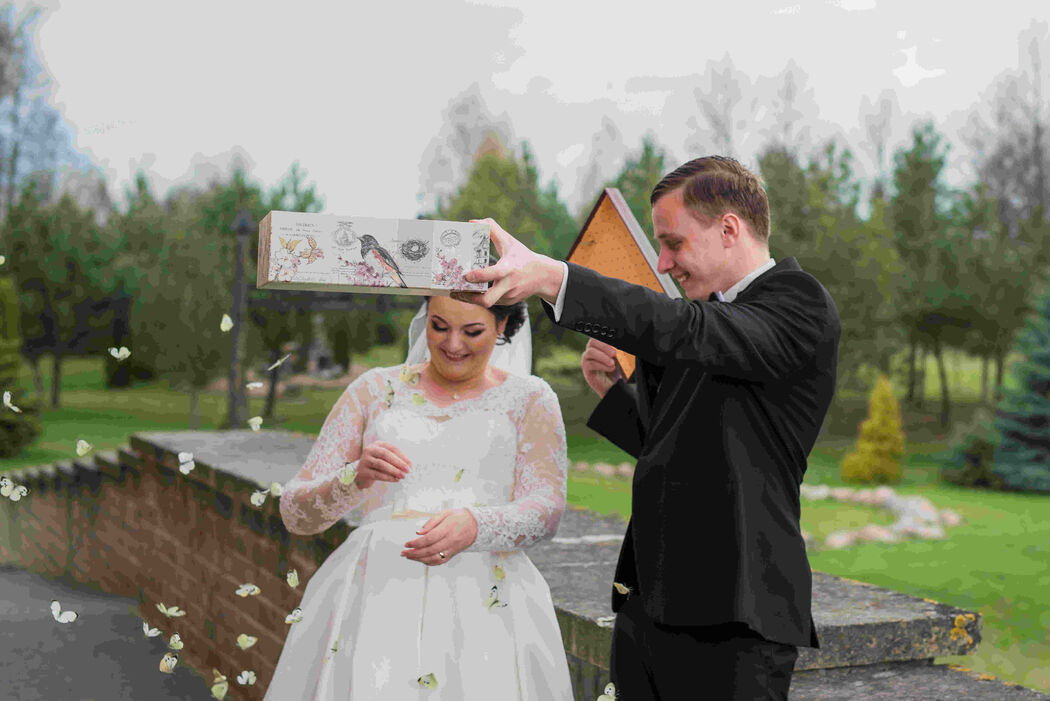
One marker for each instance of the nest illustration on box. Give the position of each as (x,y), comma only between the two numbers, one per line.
(355,254)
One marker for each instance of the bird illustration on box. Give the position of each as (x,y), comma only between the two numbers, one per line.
(379,258)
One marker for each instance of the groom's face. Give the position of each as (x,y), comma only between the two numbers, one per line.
(691,251)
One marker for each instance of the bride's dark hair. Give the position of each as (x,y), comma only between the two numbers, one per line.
(513,313)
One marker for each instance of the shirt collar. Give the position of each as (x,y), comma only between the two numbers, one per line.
(736,289)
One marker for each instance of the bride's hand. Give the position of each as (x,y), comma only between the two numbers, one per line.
(449,532)
(380,461)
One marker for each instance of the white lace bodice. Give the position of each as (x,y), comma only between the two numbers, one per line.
(502,455)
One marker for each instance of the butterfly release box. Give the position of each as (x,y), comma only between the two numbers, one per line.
(331,253)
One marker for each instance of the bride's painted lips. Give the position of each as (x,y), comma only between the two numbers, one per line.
(456,360)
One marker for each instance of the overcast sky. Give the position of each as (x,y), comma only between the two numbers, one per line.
(355,91)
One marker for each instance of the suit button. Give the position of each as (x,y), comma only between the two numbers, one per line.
(605,331)
(579,326)
(587,328)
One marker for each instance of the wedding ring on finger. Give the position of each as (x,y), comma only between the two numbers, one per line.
(441,555)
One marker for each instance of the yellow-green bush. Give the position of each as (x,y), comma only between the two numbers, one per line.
(880,445)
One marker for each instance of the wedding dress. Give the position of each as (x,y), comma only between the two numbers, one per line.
(374,624)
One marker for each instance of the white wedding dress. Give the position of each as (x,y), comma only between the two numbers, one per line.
(375,622)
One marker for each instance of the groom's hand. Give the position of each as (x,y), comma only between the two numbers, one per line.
(598,363)
(518,274)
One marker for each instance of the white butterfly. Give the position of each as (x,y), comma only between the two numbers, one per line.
(255,422)
(226,324)
(254,385)
(493,599)
(427,681)
(279,362)
(295,616)
(246,641)
(248,590)
(2,259)
(175,643)
(622,588)
(83,447)
(276,489)
(610,693)
(60,615)
(170,612)
(167,663)
(219,686)
(246,677)
(120,354)
(293,578)
(149,632)
(9,405)
(186,463)
(348,473)
(258,497)
(12,491)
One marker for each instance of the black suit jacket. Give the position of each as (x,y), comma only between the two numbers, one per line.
(723,408)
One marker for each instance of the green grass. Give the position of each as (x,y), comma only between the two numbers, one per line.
(997,563)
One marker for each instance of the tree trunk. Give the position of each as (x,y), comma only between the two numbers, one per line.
(920,389)
(946,402)
(1000,361)
(910,396)
(984,379)
(56,379)
(271,391)
(195,414)
(38,377)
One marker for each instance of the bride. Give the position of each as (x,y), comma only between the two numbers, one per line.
(451,467)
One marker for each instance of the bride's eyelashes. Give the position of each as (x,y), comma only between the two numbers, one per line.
(469,333)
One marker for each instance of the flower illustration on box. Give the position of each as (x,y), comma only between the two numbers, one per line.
(284,261)
(359,273)
(451,274)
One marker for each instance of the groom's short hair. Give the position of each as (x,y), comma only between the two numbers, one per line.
(714,185)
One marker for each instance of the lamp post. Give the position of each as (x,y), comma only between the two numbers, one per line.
(237,402)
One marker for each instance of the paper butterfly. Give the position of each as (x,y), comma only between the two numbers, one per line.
(500,574)
(149,632)
(294,617)
(458,475)
(9,405)
(12,491)
(348,473)
(254,385)
(428,681)
(83,447)
(389,396)
(175,643)
(621,588)
(60,615)
(493,599)
(255,422)
(167,663)
(409,376)
(418,399)
(170,612)
(276,489)
(247,590)
(246,641)
(219,686)
(279,362)
(610,693)
(293,578)
(2,259)
(258,497)
(226,324)
(120,354)
(246,677)
(186,463)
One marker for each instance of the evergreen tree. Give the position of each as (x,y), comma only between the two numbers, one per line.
(1022,457)
(17,430)
(881,442)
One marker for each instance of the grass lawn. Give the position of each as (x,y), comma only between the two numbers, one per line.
(997,563)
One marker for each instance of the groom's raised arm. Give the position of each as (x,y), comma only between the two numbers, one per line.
(766,338)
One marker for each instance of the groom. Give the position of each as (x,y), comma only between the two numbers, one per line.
(729,393)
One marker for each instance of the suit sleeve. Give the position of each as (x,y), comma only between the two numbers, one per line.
(760,338)
(617,418)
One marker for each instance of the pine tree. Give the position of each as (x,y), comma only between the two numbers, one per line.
(1022,457)
(880,445)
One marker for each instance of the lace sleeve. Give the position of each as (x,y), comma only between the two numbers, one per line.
(540,475)
(315,498)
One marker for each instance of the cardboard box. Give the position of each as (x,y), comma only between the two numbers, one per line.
(332,253)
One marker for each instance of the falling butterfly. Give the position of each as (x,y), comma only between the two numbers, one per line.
(246,641)
(219,685)
(427,681)
(258,497)
(294,617)
(254,385)
(9,405)
(60,615)
(493,599)
(120,354)
(418,399)
(170,612)
(459,474)
(293,578)
(255,422)
(167,663)
(12,491)
(500,574)
(247,590)
(83,447)
(609,694)
(279,362)
(186,463)
(2,260)
(149,632)
(314,253)
(246,677)
(175,643)
(226,324)
(389,396)
(409,376)
(621,588)
(348,473)
(276,489)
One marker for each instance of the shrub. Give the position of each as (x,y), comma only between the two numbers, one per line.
(970,456)
(880,444)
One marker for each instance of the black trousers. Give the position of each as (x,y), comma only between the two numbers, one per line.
(728,662)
